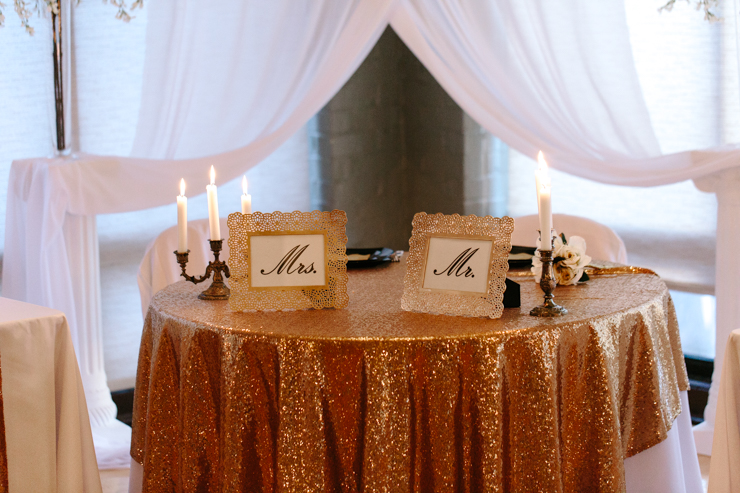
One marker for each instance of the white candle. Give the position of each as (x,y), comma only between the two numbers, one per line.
(544,203)
(545,216)
(182,219)
(539,173)
(246,198)
(213,220)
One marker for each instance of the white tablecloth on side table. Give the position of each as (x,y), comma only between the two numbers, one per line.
(724,473)
(47,429)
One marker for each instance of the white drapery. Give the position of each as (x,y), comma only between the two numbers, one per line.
(551,76)
(227,82)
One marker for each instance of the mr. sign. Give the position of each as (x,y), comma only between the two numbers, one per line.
(457,264)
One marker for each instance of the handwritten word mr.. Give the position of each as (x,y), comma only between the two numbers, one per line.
(287,263)
(457,266)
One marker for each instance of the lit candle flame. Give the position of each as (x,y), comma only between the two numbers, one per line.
(213,176)
(182,187)
(244,184)
(541,161)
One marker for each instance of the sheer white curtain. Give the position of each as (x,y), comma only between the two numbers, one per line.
(553,76)
(244,76)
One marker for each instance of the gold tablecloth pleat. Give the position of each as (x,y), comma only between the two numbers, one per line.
(3,446)
(371,398)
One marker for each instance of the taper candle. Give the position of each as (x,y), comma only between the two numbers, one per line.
(246,198)
(539,174)
(545,217)
(544,203)
(213,220)
(182,219)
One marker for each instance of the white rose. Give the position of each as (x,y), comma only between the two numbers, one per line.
(573,260)
(566,274)
(557,246)
(577,245)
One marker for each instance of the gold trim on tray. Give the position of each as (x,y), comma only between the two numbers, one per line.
(597,268)
(450,301)
(333,294)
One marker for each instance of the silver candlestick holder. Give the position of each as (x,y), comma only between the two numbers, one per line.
(547,282)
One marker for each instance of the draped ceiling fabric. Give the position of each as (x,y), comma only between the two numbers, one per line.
(552,76)
(225,83)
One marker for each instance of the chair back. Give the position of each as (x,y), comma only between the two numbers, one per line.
(602,242)
(159,267)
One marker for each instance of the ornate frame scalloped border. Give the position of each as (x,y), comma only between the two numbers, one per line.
(417,299)
(334,295)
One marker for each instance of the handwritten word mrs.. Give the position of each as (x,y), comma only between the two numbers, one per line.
(287,263)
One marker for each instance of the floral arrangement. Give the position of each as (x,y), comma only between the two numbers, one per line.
(26,8)
(706,5)
(569,261)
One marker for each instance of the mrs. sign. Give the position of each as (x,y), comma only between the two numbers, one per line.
(283,261)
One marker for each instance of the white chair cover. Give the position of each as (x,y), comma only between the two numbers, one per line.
(602,242)
(724,470)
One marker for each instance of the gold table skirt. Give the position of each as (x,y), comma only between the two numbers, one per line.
(3,446)
(372,398)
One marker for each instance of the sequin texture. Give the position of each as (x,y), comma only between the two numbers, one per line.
(373,398)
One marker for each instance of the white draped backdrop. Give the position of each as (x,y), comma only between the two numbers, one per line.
(225,83)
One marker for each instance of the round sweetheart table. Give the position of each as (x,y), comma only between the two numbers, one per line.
(371,398)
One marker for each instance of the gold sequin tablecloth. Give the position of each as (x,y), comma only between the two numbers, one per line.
(3,447)
(374,399)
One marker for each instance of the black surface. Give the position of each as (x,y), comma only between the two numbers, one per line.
(512,295)
(124,401)
(521,263)
(699,368)
(378,256)
(700,378)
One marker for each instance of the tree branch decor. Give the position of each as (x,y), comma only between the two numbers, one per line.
(26,8)
(707,6)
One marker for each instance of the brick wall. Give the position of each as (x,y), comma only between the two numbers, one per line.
(389,144)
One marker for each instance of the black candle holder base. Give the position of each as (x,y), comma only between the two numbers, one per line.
(548,310)
(216,291)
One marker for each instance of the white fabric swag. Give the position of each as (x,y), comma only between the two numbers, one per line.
(225,83)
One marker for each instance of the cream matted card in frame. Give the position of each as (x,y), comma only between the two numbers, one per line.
(284,261)
(457,265)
